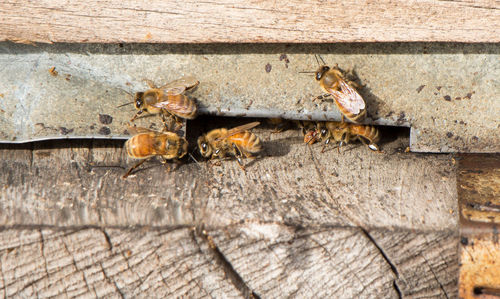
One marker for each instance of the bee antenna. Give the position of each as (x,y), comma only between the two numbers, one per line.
(317,60)
(125,104)
(195,161)
(306,72)
(324,63)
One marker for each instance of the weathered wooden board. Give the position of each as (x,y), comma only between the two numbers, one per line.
(479,185)
(51,184)
(282,261)
(479,200)
(256,21)
(263,259)
(446,93)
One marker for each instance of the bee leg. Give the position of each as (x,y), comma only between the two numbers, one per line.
(322,97)
(342,118)
(343,140)
(238,155)
(215,163)
(280,128)
(370,145)
(167,165)
(136,115)
(178,123)
(150,83)
(327,141)
(177,164)
(166,119)
(133,167)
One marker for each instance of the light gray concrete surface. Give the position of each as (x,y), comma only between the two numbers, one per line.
(446,93)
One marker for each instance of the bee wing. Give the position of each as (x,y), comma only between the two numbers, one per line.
(138,130)
(348,98)
(173,106)
(239,129)
(180,85)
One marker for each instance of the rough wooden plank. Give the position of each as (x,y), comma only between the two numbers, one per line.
(479,188)
(269,259)
(346,262)
(479,185)
(108,263)
(425,262)
(243,21)
(290,183)
(479,267)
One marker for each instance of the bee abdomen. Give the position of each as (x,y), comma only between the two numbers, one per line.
(183,106)
(247,141)
(368,132)
(139,146)
(191,108)
(254,142)
(351,116)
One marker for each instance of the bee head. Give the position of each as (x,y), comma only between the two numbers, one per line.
(321,72)
(323,132)
(138,101)
(204,147)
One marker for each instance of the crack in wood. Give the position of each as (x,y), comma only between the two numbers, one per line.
(111,281)
(435,277)
(4,288)
(42,252)
(386,258)
(226,266)
(108,239)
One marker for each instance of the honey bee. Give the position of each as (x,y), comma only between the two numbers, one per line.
(168,100)
(146,144)
(310,136)
(281,124)
(344,133)
(237,141)
(345,96)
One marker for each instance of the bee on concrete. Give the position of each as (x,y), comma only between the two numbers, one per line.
(238,142)
(168,100)
(146,144)
(344,133)
(345,96)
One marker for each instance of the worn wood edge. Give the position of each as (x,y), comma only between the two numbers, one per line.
(184,261)
(282,21)
(91,192)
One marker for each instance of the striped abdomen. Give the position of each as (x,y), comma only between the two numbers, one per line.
(351,116)
(368,132)
(179,105)
(246,141)
(140,146)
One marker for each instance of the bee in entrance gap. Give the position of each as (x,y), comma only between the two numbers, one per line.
(345,96)
(237,141)
(281,124)
(343,133)
(146,144)
(168,100)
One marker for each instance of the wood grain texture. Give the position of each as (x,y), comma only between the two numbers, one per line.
(290,183)
(266,259)
(108,263)
(348,262)
(255,21)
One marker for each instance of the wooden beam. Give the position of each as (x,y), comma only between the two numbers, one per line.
(241,21)
(260,259)
(80,184)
